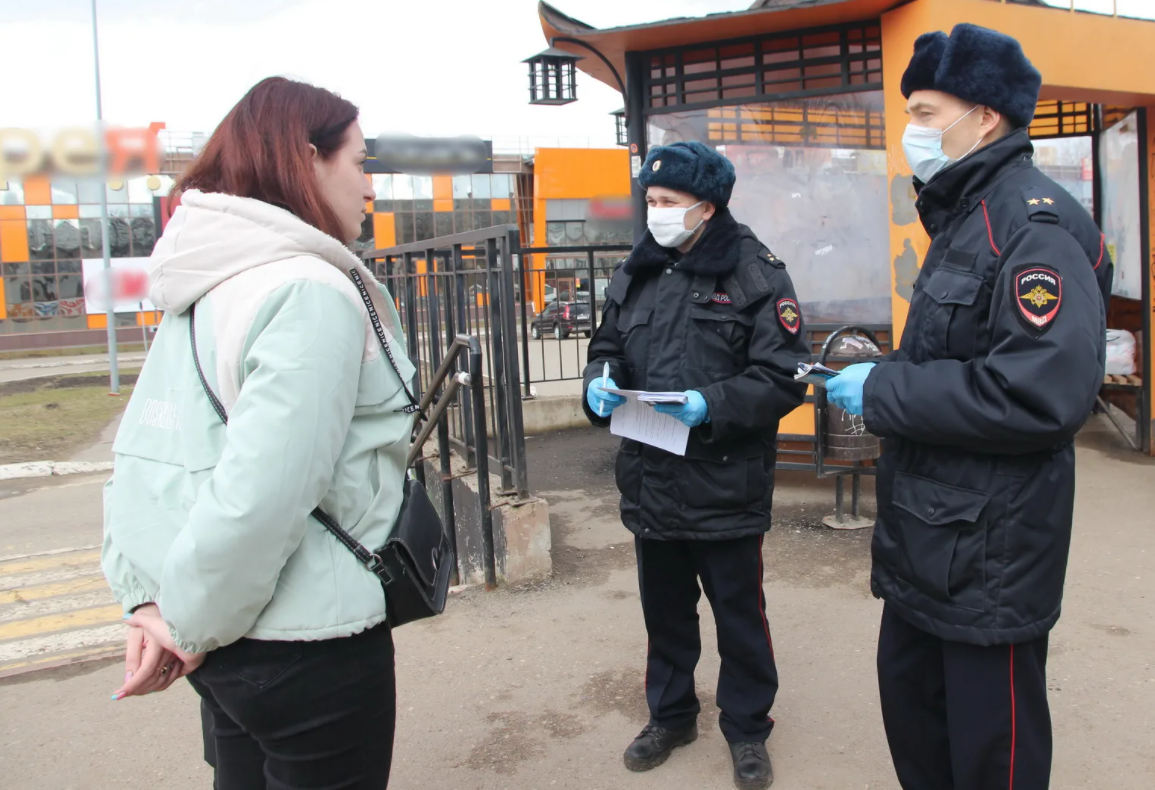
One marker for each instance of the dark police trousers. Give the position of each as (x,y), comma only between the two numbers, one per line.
(289,715)
(731,574)
(961,716)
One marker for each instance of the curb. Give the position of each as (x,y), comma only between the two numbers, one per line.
(66,363)
(52,469)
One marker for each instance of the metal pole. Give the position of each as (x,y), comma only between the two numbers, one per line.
(497,356)
(521,259)
(143,327)
(516,418)
(593,292)
(114,372)
(636,132)
(477,390)
(463,327)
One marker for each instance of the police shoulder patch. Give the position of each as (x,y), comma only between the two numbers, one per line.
(1039,295)
(790,315)
(1042,205)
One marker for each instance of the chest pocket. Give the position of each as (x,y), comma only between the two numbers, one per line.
(634,324)
(717,340)
(952,318)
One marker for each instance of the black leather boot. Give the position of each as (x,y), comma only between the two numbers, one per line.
(752,769)
(654,744)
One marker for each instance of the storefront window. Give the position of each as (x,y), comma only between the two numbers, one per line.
(481,187)
(45,293)
(383,186)
(11,193)
(812,185)
(1119,157)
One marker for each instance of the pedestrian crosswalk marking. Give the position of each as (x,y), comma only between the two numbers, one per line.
(41,563)
(12,583)
(46,606)
(49,552)
(78,618)
(36,592)
(27,648)
(56,608)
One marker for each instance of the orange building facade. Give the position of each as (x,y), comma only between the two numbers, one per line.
(49,227)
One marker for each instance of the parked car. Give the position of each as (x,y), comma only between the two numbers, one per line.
(562,320)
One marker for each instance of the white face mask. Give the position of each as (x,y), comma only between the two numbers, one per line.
(923,148)
(668,225)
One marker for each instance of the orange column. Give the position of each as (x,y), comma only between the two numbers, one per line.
(1148,366)
(908,241)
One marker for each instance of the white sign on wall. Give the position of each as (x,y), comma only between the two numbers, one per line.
(129,285)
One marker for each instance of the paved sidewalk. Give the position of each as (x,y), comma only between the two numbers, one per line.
(542,687)
(23,369)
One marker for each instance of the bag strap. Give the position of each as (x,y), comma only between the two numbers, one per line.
(371,560)
(379,330)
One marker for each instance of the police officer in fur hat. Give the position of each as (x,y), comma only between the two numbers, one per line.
(703,308)
(999,367)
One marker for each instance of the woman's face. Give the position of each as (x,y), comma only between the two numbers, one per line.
(343,183)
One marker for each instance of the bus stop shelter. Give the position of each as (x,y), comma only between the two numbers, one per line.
(803,97)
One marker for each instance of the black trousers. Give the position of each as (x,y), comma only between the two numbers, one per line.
(296,715)
(964,717)
(731,575)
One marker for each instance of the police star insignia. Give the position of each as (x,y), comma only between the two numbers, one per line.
(1039,292)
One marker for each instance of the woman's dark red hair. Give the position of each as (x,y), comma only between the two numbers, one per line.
(261,149)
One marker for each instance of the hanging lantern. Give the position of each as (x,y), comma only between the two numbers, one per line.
(620,126)
(552,77)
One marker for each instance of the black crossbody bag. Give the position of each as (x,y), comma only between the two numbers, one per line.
(417,560)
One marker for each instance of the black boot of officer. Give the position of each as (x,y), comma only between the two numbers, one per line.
(752,767)
(701,307)
(1000,363)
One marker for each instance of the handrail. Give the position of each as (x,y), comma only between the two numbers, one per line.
(453,382)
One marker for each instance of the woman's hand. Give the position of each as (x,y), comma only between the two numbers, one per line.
(153,662)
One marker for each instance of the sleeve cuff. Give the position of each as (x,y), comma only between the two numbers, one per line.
(869,411)
(137,597)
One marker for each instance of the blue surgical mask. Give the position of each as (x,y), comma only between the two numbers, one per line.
(923,148)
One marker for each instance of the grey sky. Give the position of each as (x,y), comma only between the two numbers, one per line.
(424,66)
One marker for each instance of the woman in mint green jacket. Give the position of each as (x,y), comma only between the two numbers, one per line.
(208,540)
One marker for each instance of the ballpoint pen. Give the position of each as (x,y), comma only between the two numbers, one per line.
(605,379)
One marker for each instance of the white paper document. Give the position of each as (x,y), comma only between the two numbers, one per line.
(636,419)
(652,397)
(816,374)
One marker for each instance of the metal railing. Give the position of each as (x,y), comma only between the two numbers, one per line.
(550,359)
(450,375)
(458,285)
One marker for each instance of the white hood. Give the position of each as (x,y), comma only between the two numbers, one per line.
(213,237)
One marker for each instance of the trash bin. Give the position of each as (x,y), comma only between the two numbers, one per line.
(845,434)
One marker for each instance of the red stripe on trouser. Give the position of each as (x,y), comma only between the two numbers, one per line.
(762,599)
(762,608)
(1011,784)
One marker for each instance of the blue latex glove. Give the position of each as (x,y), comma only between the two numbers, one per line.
(693,412)
(596,396)
(845,389)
